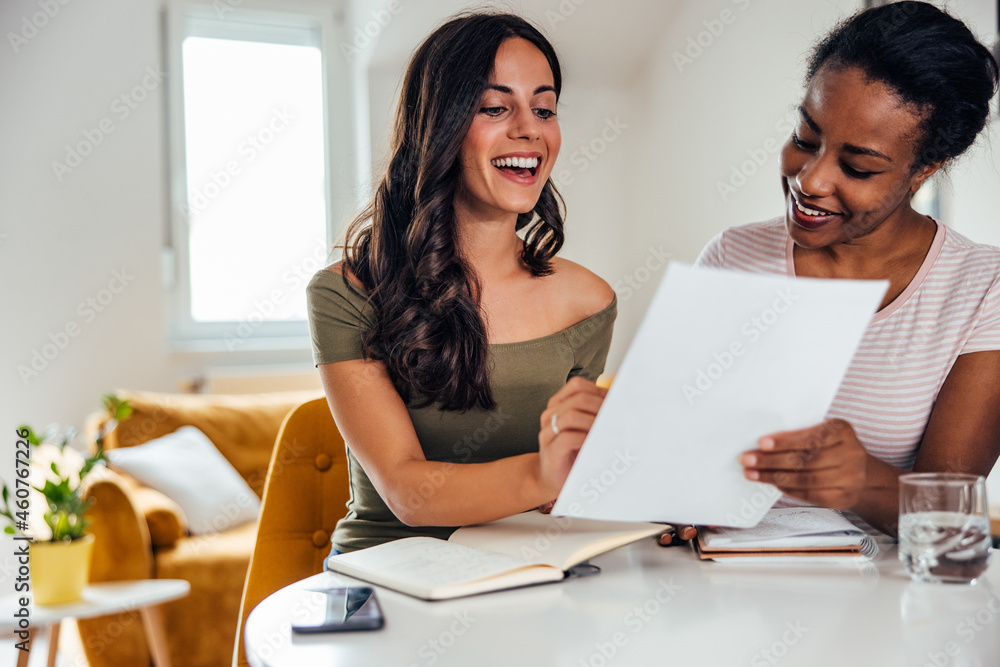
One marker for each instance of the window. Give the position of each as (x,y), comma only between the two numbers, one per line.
(250,144)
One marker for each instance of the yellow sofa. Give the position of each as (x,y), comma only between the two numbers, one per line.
(140,533)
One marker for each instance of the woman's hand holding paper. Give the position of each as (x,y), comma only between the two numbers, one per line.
(824,465)
(564,426)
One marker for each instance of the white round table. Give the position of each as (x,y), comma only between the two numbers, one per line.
(99,600)
(662,606)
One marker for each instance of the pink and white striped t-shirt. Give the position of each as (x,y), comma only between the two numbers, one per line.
(951,307)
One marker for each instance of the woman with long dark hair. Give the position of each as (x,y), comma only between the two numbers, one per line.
(893,94)
(447,335)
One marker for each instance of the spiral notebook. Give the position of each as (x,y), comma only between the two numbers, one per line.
(793,533)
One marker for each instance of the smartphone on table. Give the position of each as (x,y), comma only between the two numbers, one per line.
(341,609)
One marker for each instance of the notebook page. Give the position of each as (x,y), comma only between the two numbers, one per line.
(422,564)
(559,541)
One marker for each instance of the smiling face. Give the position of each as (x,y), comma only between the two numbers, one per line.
(847,168)
(514,139)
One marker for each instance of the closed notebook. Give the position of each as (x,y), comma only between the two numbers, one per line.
(791,532)
(522,550)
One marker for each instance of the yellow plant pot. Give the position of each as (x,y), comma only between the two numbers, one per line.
(60,570)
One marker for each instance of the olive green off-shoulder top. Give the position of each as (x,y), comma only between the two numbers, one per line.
(524,375)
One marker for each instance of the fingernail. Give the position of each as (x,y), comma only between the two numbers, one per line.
(767,443)
(752,474)
(749,459)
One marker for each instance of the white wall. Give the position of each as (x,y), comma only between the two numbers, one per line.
(65,239)
(971,189)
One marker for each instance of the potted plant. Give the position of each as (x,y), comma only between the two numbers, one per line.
(60,549)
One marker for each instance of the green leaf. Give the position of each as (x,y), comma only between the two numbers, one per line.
(32,436)
(89,463)
(9,530)
(116,407)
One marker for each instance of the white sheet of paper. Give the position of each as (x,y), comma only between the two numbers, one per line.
(721,359)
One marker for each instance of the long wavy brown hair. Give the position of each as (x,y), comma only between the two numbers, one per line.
(428,330)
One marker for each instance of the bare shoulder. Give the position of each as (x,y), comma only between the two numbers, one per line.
(585,291)
(339,268)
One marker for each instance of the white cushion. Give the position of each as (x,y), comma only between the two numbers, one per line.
(186,467)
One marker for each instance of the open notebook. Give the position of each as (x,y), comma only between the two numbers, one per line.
(791,532)
(522,550)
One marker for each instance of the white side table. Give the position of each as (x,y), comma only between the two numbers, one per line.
(100,600)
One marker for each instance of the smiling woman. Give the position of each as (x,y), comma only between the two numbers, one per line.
(894,93)
(443,334)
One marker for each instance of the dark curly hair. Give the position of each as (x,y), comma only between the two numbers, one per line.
(428,330)
(930,59)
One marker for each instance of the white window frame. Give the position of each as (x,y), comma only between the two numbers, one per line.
(319,23)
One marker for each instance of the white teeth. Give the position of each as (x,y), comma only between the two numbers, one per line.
(519,162)
(809,211)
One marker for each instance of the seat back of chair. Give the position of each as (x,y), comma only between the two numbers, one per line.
(305,495)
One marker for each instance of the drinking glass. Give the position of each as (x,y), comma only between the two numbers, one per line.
(944,529)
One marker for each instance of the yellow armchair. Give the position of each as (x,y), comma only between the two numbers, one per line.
(140,533)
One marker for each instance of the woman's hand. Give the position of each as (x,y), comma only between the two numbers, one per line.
(564,426)
(824,465)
